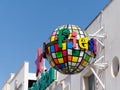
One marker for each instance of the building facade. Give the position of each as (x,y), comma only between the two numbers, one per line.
(21,80)
(103,74)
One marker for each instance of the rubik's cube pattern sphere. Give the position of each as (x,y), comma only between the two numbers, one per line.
(64,52)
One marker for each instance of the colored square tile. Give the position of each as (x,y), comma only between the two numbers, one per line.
(76,30)
(78,37)
(53,55)
(81,32)
(70,30)
(60,70)
(87,57)
(69,51)
(69,45)
(59,66)
(66,65)
(60,60)
(75,59)
(64,53)
(77,64)
(75,71)
(62,27)
(72,67)
(65,59)
(82,36)
(52,38)
(63,46)
(80,58)
(71,70)
(73,64)
(49,57)
(69,63)
(73,27)
(57,48)
(83,63)
(91,54)
(58,54)
(77,47)
(69,67)
(81,53)
(52,64)
(80,67)
(56,61)
(56,67)
(48,50)
(52,48)
(64,71)
(70,35)
(87,52)
(54,33)
(69,58)
(75,52)
(69,27)
(62,65)
(64,68)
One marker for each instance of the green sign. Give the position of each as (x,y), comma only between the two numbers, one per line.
(45,80)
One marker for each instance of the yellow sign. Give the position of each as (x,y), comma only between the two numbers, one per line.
(83,43)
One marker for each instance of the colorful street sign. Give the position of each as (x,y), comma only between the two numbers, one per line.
(69,49)
(46,79)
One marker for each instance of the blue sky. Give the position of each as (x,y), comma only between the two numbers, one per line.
(26,24)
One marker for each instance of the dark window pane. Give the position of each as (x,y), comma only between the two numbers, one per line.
(91,82)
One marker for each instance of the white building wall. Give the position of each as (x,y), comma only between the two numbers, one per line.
(7,83)
(20,80)
(26,75)
(75,82)
(67,82)
(112,27)
(110,20)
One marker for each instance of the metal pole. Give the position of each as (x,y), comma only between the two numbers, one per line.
(97,77)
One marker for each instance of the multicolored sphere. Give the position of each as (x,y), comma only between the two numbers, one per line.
(68,50)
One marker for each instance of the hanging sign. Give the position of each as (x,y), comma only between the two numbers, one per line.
(46,79)
(69,49)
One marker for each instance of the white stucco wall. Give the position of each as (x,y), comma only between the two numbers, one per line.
(21,78)
(110,20)
(112,27)
(67,82)
(75,82)
(6,86)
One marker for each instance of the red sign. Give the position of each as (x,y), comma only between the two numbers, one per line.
(38,62)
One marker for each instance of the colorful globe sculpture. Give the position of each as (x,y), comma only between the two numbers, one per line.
(69,50)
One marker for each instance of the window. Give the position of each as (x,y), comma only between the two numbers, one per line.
(115,66)
(30,83)
(89,82)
